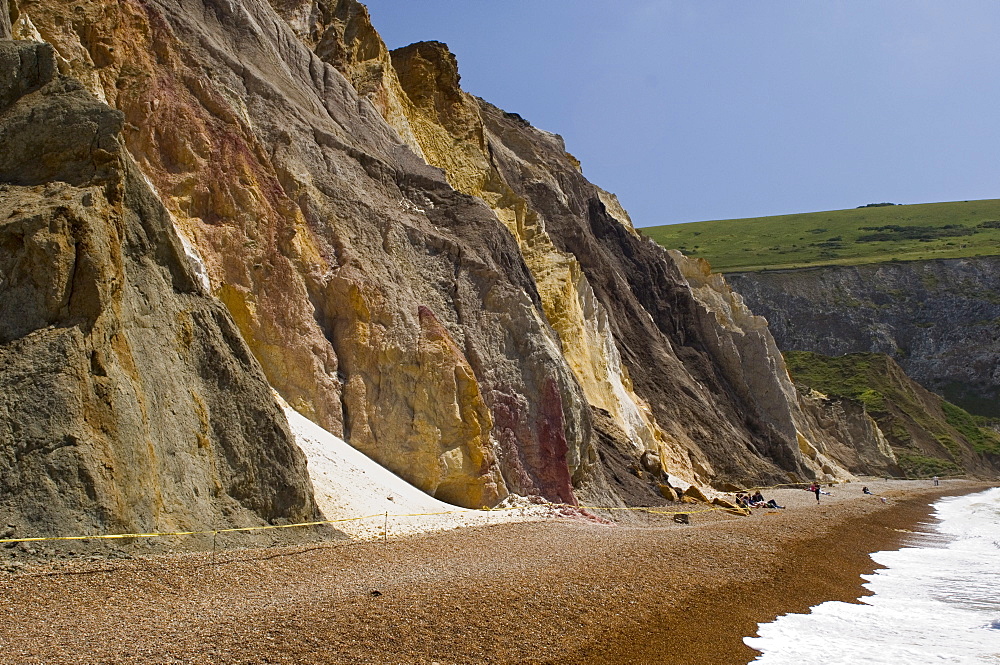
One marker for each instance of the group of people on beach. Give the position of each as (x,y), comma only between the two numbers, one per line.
(757,500)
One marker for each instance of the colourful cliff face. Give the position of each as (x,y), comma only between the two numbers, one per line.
(834,441)
(327,238)
(193,138)
(129,400)
(473,143)
(453,136)
(420,272)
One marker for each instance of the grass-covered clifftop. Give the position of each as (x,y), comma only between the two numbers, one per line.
(928,434)
(840,237)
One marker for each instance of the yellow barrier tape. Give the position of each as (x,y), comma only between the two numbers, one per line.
(647,509)
(161,534)
(655,510)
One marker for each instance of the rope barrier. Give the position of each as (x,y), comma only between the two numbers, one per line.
(647,509)
(653,509)
(162,534)
(165,534)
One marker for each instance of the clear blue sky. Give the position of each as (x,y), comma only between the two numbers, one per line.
(712,109)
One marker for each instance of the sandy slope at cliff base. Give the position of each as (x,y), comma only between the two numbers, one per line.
(369,498)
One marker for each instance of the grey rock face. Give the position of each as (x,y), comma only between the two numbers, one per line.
(128,400)
(4,20)
(940,320)
(24,68)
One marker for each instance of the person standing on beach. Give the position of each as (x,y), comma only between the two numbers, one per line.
(815,488)
(936,483)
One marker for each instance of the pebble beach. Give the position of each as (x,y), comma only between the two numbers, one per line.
(563,590)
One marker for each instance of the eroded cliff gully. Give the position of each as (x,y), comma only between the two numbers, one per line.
(927,434)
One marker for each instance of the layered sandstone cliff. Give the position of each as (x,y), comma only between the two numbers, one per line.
(834,441)
(454,134)
(129,402)
(422,273)
(380,302)
(495,156)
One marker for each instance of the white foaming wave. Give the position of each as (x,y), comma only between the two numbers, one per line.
(970,517)
(931,604)
(841,633)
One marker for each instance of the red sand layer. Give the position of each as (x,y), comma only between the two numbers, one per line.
(556,592)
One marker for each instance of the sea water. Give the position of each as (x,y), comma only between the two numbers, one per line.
(935,601)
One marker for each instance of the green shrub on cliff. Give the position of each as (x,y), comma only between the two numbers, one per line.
(983,439)
(847,376)
(873,400)
(929,435)
(921,466)
(950,444)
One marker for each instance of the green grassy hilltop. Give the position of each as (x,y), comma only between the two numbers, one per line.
(870,234)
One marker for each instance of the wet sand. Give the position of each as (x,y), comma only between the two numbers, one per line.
(567,591)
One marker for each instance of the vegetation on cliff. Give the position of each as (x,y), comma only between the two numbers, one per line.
(870,234)
(928,434)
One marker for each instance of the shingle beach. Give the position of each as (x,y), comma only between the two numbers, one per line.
(559,591)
